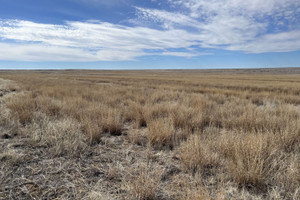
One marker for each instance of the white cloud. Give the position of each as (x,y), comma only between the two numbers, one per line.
(168,19)
(251,26)
(183,54)
(38,52)
(280,42)
(86,41)
(199,8)
(235,24)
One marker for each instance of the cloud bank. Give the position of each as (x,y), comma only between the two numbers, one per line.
(190,28)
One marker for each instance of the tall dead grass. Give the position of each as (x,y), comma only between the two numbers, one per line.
(244,127)
(252,159)
(62,137)
(143,183)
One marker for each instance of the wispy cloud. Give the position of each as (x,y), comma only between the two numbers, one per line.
(234,24)
(87,41)
(278,42)
(251,26)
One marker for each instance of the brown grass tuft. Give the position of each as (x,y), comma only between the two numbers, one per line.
(161,133)
(22,108)
(197,155)
(143,184)
(62,137)
(112,122)
(252,159)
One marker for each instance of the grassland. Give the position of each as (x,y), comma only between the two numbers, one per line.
(145,135)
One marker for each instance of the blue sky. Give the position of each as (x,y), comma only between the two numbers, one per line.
(153,34)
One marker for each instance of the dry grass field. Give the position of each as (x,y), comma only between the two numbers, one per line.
(145,135)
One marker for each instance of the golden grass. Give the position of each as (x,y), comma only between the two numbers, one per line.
(239,126)
(143,183)
(197,155)
(61,137)
(252,159)
(161,133)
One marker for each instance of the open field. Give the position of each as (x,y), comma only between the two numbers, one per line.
(145,135)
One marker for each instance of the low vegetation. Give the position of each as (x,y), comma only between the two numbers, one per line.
(193,134)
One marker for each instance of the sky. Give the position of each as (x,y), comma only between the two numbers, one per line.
(149,34)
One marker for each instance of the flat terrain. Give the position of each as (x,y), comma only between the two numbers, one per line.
(145,135)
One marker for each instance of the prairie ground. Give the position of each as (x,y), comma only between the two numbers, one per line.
(145,135)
